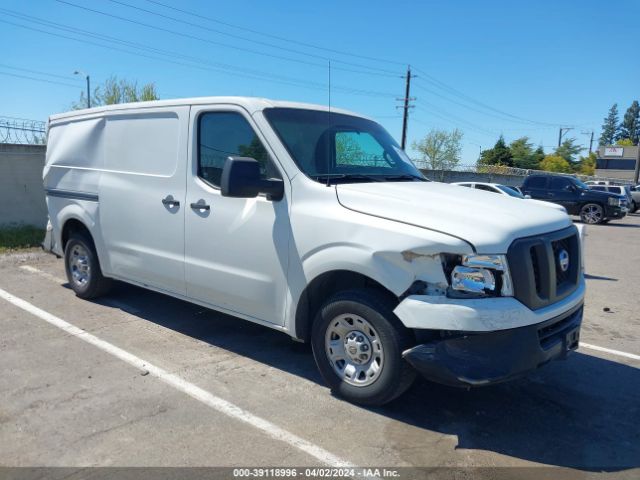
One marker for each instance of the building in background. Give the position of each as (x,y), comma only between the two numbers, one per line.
(616,162)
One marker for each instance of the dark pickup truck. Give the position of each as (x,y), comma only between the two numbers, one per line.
(592,206)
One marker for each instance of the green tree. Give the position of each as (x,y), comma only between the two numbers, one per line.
(587,165)
(539,155)
(440,149)
(610,128)
(624,142)
(555,163)
(115,90)
(630,127)
(523,154)
(568,150)
(500,154)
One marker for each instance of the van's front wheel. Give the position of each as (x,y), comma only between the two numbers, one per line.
(83,268)
(358,343)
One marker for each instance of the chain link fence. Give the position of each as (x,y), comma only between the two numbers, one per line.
(498,171)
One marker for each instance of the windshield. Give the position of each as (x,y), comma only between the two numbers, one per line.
(337,147)
(510,191)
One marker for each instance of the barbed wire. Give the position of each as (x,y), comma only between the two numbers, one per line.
(22,131)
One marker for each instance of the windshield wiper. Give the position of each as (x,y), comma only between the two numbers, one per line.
(405,176)
(347,176)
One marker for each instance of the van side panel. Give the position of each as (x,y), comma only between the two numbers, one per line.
(71,175)
(145,162)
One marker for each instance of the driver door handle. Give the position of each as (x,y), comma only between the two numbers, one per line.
(200,206)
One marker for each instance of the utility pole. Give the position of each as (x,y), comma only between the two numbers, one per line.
(562,132)
(406,106)
(590,140)
(78,72)
(637,172)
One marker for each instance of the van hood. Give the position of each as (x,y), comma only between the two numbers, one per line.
(490,222)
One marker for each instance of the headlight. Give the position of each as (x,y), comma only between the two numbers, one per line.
(479,275)
(472,280)
(614,201)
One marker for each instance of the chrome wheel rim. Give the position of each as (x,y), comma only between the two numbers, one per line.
(79,265)
(591,214)
(354,350)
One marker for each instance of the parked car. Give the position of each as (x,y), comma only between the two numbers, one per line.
(592,206)
(626,200)
(253,207)
(635,194)
(508,191)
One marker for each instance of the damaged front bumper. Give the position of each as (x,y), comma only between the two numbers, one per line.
(467,359)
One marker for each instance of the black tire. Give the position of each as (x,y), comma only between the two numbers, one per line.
(592,213)
(634,207)
(395,375)
(95,284)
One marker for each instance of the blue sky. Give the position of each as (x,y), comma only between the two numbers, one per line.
(537,65)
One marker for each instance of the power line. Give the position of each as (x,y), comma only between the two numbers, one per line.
(434,81)
(64,77)
(388,73)
(38,79)
(469,107)
(277,37)
(194,37)
(219,68)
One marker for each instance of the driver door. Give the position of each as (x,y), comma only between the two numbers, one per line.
(235,248)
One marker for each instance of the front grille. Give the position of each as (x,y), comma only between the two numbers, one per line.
(558,246)
(539,277)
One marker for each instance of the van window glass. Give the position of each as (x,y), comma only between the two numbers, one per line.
(226,134)
(330,146)
(536,182)
(559,183)
(599,188)
(617,190)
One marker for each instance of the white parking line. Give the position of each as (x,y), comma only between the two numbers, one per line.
(223,406)
(37,271)
(632,356)
(125,307)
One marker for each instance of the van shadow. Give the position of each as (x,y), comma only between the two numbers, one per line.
(581,413)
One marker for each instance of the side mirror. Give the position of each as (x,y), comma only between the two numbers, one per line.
(570,188)
(241,179)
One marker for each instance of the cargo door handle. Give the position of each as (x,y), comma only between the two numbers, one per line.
(200,206)
(170,202)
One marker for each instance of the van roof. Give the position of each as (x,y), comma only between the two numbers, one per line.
(251,104)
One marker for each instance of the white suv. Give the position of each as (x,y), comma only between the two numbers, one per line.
(314,222)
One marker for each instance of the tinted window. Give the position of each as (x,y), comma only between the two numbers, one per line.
(559,183)
(598,187)
(536,182)
(225,134)
(510,191)
(617,190)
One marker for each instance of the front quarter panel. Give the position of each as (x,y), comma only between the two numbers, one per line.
(328,237)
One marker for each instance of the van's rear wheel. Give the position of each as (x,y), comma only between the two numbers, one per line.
(358,343)
(83,268)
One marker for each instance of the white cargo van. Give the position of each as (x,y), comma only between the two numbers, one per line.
(314,222)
